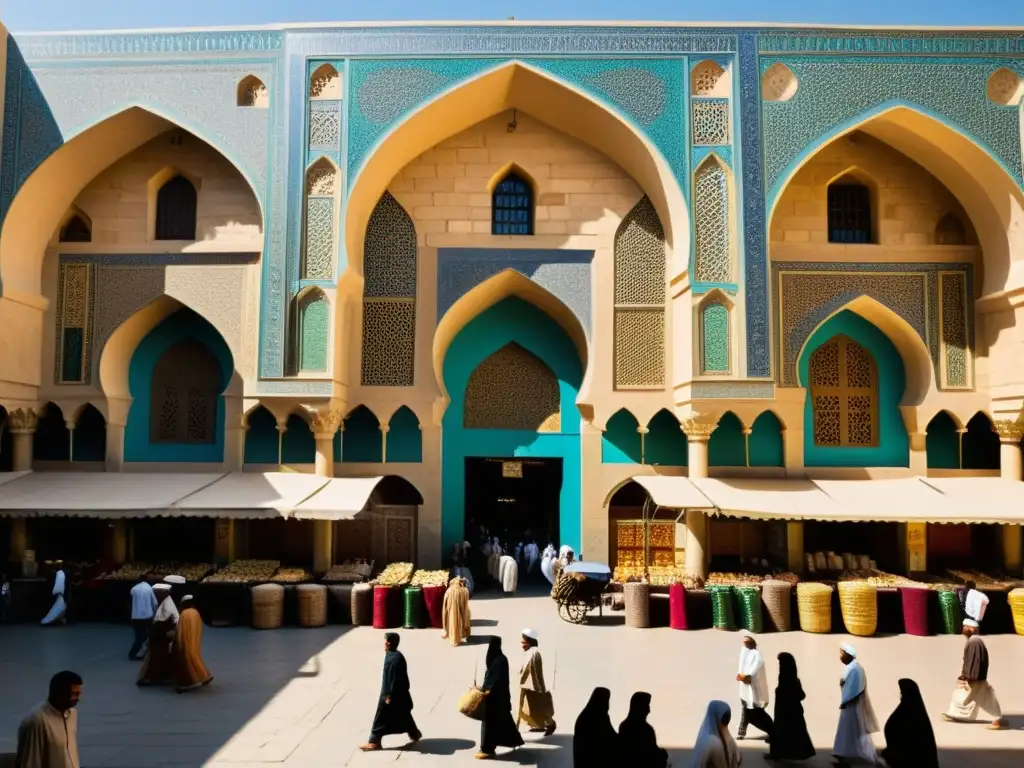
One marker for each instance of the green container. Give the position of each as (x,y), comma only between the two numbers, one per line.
(414,608)
(952,613)
(750,609)
(723,615)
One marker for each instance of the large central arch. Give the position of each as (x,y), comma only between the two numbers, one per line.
(550,100)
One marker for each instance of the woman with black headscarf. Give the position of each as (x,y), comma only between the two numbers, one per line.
(394,707)
(909,740)
(594,740)
(498,729)
(790,740)
(637,739)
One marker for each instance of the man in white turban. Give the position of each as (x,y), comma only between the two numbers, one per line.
(753,679)
(974,696)
(856,717)
(547,563)
(536,707)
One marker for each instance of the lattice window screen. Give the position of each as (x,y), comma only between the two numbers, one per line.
(714,332)
(844,394)
(74,324)
(321,189)
(954,334)
(183,395)
(713,261)
(314,330)
(640,300)
(389,296)
(512,389)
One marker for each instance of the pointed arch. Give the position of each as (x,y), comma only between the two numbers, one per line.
(665,443)
(52,439)
(325,83)
(950,231)
(980,446)
(298,444)
(512,201)
(778,83)
(714,321)
(516,84)
(765,445)
(992,199)
(173,205)
(640,296)
(313,323)
(1004,87)
(853,214)
(322,186)
(404,439)
(252,93)
(728,445)
(361,441)
(714,249)
(90,438)
(513,389)
(76,227)
(261,437)
(620,441)
(942,441)
(709,78)
(492,291)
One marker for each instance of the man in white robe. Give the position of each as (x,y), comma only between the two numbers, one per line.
(856,717)
(975,603)
(48,736)
(532,555)
(753,680)
(58,612)
(508,574)
(547,563)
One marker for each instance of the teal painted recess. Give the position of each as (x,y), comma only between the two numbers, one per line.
(361,440)
(765,442)
(183,325)
(510,320)
(981,444)
(298,446)
(942,443)
(727,446)
(261,438)
(714,338)
(90,435)
(665,441)
(52,440)
(314,329)
(620,441)
(405,440)
(893,449)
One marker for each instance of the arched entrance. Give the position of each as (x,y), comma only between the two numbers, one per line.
(511,435)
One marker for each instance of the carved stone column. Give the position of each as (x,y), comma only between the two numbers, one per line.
(22,422)
(1010,433)
(324,425)
(698,429)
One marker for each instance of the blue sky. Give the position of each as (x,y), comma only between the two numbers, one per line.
(32,15)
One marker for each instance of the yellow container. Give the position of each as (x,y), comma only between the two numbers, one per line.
(1016,598)
(859,601)
(814,604)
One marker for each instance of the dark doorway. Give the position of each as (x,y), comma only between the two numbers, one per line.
(508,504)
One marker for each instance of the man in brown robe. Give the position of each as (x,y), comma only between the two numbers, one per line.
(157,668)
(974,695)
(189,671)
(455,612)
(536,707)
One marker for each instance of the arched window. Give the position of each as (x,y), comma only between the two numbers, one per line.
(950,231)
(640,300)
(176,210)
(252,93)
(712,233)
(714,338)
(709,78)
(76,231)
(849,212)
(183,402)
(325,83)
(314,320)
(389,296)
(844,394)
(321,187)
(778,83)
(513,389)
(512,206)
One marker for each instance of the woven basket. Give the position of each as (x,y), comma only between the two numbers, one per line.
(362,605)
(749,599)
(915,610)
(677,606)
(413,608)
(952,613)
(723,615)
(1016,600)
(433,597)
(777,596)
(638,605)
(267,606)
(859,601)
(312,605)
(814,604)
(383,609)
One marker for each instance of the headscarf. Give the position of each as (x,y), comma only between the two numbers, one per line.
(909,739)
(493,650)
(594,740)
(636,736)
(789,680)
(393,640)
(718,713)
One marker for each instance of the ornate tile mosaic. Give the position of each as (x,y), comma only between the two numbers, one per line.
(564,273)
(324,125)
(836,90)
(805,294)
(738,390)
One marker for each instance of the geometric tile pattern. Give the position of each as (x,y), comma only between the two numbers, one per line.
(512,389)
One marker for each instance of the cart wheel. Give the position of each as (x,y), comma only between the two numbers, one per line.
(563,611)
(577,612)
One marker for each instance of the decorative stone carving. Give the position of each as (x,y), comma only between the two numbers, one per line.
(23,421)
(325,423)
(1009,431)
(698,428)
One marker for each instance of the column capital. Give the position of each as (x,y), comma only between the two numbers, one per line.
(1008,431)
(326,422)
(642,430)
(385,428)
(23,421)
(698,428)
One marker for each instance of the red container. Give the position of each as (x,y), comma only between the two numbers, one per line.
(383,614)
(915,610)
(434,598)
(677,607)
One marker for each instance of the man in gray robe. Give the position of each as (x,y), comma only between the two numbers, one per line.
(974,695)
(48,736)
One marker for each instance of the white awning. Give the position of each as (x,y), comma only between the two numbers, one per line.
(673,492)
(982,499)
(782,499)
(903,500)
(98,494)
(340,499)
(249,495)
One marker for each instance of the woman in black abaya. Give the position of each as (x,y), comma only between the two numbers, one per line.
(790,740)
(637,738)
(909,739)
(594,740)
(498,729)
(394,708)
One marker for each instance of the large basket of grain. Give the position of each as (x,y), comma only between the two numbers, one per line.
(1016,600)
(312,605)
(814,605)
(776,596)
(859,603)
(362,605)
(638,605)
(267,606)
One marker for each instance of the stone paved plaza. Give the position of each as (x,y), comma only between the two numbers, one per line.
(305,697)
